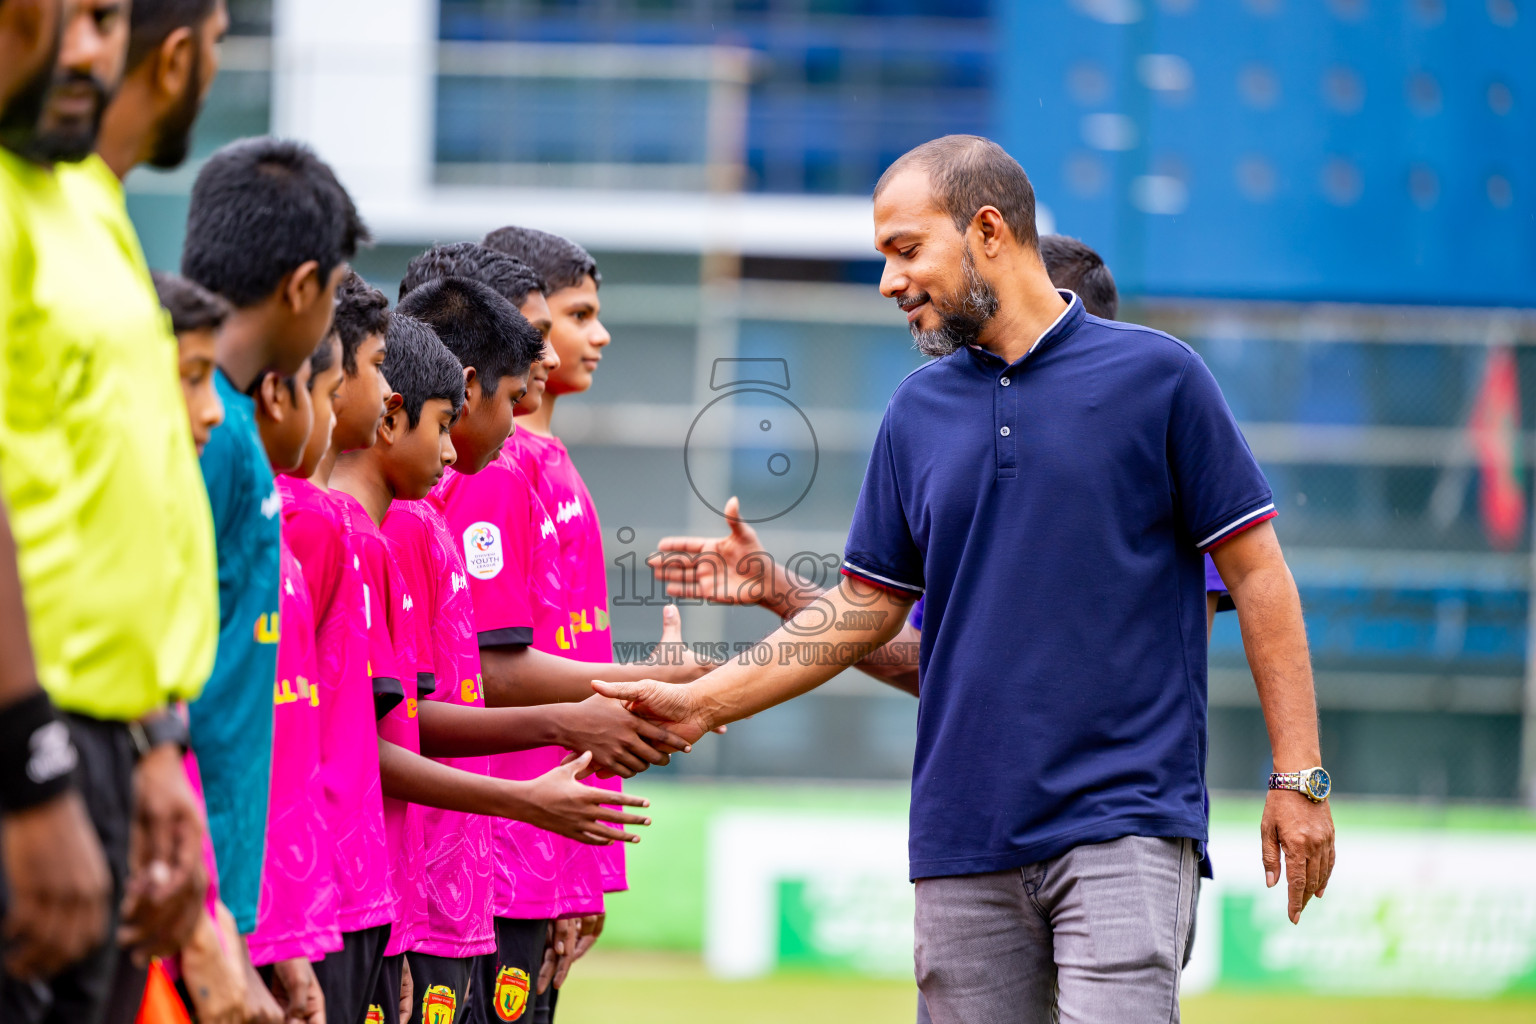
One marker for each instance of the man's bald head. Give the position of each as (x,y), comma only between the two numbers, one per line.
(967,172)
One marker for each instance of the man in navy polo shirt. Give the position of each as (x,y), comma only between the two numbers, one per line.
(1058,791)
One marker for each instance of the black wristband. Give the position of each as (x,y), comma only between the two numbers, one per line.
(37,757)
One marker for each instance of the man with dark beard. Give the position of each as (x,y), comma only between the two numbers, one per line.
(1059,809)
(113,534)
(173,58)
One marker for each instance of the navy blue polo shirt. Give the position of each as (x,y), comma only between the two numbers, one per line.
(1059,706)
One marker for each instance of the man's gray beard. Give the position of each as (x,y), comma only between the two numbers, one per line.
(962,327)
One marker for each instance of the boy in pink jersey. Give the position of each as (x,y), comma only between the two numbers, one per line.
(297,920)
(430,853)
(315,529)
(577,339)
(511,544)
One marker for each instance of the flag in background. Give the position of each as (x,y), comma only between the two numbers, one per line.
(1495,430)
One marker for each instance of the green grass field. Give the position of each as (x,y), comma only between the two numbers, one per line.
(674,989)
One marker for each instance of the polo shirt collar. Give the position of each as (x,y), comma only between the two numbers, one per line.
(1061,328)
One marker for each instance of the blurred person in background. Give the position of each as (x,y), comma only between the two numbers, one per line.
(734,569)
(54,885)
(113,535)
(1041,440)
(173,58)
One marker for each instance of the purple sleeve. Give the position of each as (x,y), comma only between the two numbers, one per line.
(1215,585)
(915,616)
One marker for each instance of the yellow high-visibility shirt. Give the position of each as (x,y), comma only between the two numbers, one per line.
(97,465)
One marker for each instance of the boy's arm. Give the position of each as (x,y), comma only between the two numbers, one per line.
(554,801)
(621,744)
(519,676)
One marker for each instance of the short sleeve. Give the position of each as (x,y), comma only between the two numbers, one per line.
(880,547)
(915,616)
(411,612)
(1217,483)
(488,515)
(383,661)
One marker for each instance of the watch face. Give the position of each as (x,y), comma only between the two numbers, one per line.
(1318,783)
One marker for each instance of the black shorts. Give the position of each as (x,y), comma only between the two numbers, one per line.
(505,980)
(103,986)
(384,1004)
(439,988)
(349,976)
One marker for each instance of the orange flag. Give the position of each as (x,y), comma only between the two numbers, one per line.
(161,1004)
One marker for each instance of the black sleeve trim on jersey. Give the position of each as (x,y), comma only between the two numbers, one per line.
(426,684)
(387,693)
(513,636)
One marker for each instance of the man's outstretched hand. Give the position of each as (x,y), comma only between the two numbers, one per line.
(674,708)
(1303,831)
(733,569)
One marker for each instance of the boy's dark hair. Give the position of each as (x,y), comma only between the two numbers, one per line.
(192,307)
(420,368)
(361,312)
(508,276)
(480,327)
(1075,266)
(151,21)
(323,358)
(967,172)
(261,208)
(561,262)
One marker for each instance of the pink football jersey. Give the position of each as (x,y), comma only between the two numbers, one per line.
(298,907)
(512,559)
(562,490)
(460,867)
(316,527)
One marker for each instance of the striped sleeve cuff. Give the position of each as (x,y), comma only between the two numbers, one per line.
(883,582)
(1243,522)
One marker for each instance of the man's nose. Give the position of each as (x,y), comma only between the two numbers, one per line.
(892,282)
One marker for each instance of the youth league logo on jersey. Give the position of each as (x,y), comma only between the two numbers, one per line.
(375,1014)
(438,1005)
(511,993)
(483,556)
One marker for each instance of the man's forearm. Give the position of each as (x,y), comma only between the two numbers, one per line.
(18,674)
(895,664)
(1275,639)
(742,687)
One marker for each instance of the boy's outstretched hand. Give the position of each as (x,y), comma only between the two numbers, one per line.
(566,806)
(621,744)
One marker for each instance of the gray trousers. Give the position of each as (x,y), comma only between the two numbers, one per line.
(1098,935)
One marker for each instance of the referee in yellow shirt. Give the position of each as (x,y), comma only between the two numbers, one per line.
(113,536)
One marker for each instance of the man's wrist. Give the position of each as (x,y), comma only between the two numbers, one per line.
(158,729)
(37,756)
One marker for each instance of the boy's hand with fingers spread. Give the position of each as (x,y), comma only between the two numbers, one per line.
(557,801)
(673,659)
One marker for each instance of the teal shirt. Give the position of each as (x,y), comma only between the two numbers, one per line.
(232,720)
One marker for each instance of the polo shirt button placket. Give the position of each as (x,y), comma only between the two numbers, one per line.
(1006,381)
(1006,431)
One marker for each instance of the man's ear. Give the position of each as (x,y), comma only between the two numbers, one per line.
(990,229)
(269,402)
(173,63)
(471,386)
(302,287)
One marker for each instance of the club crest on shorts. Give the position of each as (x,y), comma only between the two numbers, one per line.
(438,1004)
(375,1014)
(511,993)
